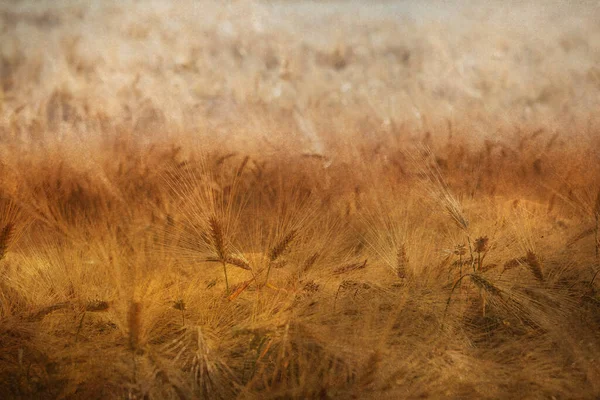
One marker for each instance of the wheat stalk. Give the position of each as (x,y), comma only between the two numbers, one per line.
(478,281)
(134,324)
(39,315)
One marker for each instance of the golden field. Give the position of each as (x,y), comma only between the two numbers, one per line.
(299,199)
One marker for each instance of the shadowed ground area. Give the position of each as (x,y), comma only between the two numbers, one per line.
(299,199)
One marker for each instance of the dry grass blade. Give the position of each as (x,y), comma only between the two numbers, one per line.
(161,372)
(238,289)
(212,376)
(350,267)
(276,251)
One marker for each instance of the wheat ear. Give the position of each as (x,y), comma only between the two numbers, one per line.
(218,241)
(534,265)
(276,251)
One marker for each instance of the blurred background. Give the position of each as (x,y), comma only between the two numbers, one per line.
(185,65)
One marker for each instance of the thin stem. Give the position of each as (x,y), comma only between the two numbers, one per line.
(268,272)
(597,248)
(452,292)
(460,265)
(471,253)
(597,239)
(134,366)
(594,278)
(482,295)
(80,326)
(226,280)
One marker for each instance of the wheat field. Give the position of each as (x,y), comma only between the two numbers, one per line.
(299,199)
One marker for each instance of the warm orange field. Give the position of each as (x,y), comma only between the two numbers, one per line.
(299,199)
